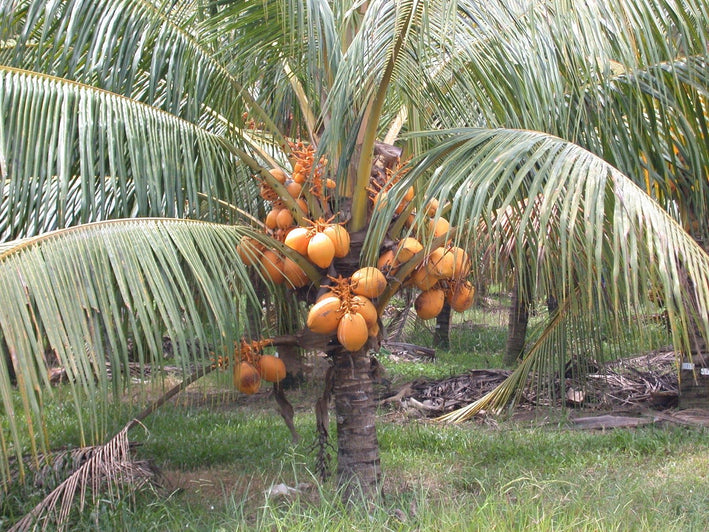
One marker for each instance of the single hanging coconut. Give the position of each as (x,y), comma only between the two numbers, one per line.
(272,218)
(279,174)
(407,248)
(271,368)
(429,304)
(439,227)
(294,188)
(246,378)
(294,274)
(368,282)
(321,250)
(462,262)
(461,295)
(441,263)
(284,219)
(363,306)
(325,315)
(352,331)
(298,239)
(432,207)
(423,279)
(340,238)
(272,264)
(387,263)
(249,250)
(302,204)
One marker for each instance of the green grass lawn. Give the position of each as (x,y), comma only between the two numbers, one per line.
(220,453)
(217,467)
(219,459)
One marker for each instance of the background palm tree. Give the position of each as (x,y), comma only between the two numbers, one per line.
(132,130)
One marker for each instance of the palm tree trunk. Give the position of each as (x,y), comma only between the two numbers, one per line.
(358,466)
(517,327)
(441,336)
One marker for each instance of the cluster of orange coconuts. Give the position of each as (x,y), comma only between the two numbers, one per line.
(347,308)
(441,276)
(253,367)
(320,242)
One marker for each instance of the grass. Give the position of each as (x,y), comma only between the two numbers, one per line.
(508,476)
(220,454)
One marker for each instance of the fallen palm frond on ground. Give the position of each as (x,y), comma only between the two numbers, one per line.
(108,467)
(644,381)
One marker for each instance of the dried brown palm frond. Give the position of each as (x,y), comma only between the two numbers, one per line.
(50,469)
(109,466)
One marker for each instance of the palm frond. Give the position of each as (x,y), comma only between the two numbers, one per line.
(88,292)
(629,83)
(285,44)
(110,465)
(160,58)
(132,159)
(590,234)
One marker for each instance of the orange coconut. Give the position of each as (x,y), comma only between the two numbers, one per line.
(272,369)
(407,248)
(461,296)
(284,219)
(299,175)
(294,274)
(439,227)
(432,207)
(249,251)
(462,262)
(246,378)
(423,279)
(381,200)
(302,204)
(321,250)
(441,263)
(362,305)
(387,262)
(340,237)
(272,264)
(429,304)
(325,315)
(272,218)
(294,188)
(279,174)
(298,239)
(368,282)
(352,331)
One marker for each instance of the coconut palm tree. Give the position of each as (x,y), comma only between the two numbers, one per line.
(142,142)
